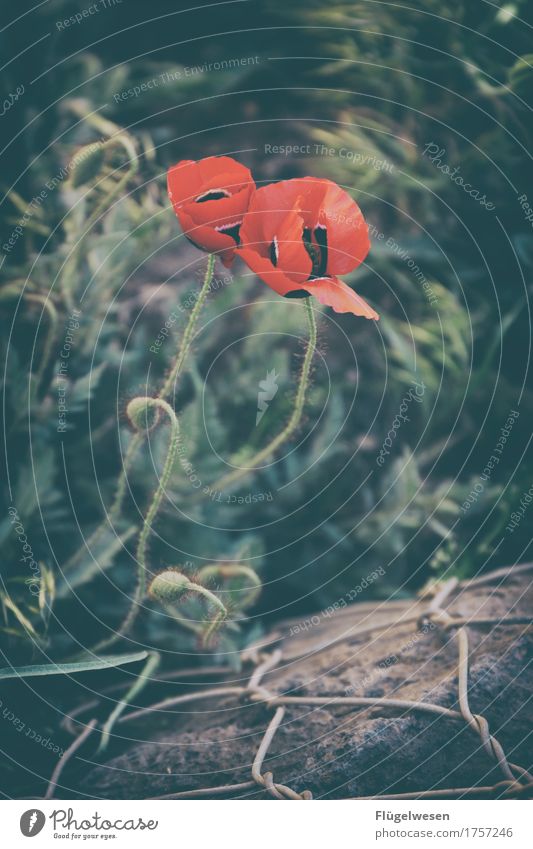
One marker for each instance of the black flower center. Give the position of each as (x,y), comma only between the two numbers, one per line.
(274,251)
(232,230)
(298,293)
(213,194)
(317,249)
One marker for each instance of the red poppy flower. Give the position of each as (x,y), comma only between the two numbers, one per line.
(210,198)
(299,234)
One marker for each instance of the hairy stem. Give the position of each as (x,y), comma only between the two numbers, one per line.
(211,629)
(244,596)
(163,395)
(167,387)
(158,494)
(151,514)
(303,383)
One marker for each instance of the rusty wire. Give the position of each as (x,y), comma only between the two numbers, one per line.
(516,781)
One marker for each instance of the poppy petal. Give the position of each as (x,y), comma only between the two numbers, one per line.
(210,198)
(326,205)
(266,214)
(216,171)
(322,205)
(219,213)
(207,238)
(275,233)
(188,179)
(332,292)
(269,274)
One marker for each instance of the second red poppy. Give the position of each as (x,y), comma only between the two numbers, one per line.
(298,235)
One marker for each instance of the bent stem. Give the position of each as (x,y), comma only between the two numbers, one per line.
(220,615)
(246,595)
(163,395)
(303,383)
(213,626)
(151,514)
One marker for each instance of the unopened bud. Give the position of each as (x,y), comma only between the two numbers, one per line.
(169,586)
(143,413)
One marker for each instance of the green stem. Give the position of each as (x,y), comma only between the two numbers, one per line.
(303,383)
(166,389)
(246,595)
(209,596)
(151,514)
(163,394)
(150,666)
(159,492)
(215,623)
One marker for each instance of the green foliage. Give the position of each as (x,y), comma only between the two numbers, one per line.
(383,82)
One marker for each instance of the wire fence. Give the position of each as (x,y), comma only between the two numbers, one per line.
(516,781)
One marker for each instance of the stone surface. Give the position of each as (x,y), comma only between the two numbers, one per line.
(340,751)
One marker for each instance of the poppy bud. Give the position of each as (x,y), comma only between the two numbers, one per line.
(169,586)
(143,413)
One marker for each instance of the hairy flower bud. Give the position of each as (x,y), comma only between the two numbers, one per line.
(143,413)
(169,586)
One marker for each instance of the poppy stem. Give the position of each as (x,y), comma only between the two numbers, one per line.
(294,421)
(139,410)
(168,385)
(114,511)
(241,596)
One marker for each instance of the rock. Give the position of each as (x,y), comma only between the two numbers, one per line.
(340,751)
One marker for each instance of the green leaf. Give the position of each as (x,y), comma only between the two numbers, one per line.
(71,668)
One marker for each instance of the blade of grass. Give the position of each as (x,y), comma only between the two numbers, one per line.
(71,668)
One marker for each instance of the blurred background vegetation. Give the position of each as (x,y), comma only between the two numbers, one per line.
(375,84)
